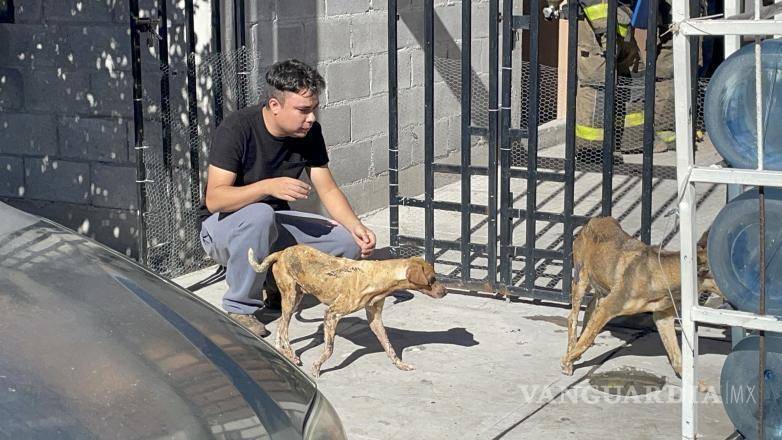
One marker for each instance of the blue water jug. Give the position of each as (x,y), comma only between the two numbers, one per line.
(730,113)
(734,251)
(739,387)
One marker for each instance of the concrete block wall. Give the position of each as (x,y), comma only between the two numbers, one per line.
(65,116)
(66,126)
(347,41)
(66,111)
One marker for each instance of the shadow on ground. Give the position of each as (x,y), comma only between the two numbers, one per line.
(631,330)
(357,331)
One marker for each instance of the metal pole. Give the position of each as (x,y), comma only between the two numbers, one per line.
(609,111)
(217,72)
(192,106)
(165,109)
(138,125)
(570,143)
(429,129)
(532,145)
(762,311)
(762,221)
(687,206)
(239,44)
(650,78)
(506,198)
(466,135)
(393,127)
(732,43)
(494,13)
(165,101)
(240,23)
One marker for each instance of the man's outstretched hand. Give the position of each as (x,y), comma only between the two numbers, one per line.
(286,188)
(365,239)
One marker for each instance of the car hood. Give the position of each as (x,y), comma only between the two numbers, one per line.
(92,345)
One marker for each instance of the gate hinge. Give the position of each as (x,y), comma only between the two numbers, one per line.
(149,25)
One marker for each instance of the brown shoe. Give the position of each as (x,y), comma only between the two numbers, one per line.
(250,322)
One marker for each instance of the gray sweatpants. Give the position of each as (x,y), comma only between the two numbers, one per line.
(259,227)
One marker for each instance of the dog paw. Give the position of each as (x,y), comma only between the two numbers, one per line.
(291,357)
(403,366)
(315,371)
(567,369)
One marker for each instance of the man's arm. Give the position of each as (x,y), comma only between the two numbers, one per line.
(223,196)
(332,197)
(339,208)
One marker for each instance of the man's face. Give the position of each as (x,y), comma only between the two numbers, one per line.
(295,115)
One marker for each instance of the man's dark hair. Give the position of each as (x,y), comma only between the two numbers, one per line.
(292,76)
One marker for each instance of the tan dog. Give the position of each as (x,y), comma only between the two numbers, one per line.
(345,286)
(628,277)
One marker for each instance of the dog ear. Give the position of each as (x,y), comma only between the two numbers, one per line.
(415,274)
(703,242)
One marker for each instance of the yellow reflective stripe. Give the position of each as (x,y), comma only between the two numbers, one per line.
(600,12)
(589,133)
(596,12)
(596,134)
(634,119)
(666,135)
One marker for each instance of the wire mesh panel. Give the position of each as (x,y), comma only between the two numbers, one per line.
(629,123)
(231,67)
(171,219)
(548,83)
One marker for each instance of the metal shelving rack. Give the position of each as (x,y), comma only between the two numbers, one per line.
(688,175)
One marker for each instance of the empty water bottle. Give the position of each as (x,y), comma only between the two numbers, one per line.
(740,391)
(734,251)
(730,110)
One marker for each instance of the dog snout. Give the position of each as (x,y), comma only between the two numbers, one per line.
(437,290)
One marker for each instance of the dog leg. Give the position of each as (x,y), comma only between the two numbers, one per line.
(374,316)
(579,288)
(291,296)
(285,320)
(710,286)
(329,329)
(665,326)
(602,315)
(590,310)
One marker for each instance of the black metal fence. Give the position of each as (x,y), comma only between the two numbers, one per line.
(505,174)
(170,162)
(527,199)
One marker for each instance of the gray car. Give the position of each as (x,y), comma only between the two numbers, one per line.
(92,345)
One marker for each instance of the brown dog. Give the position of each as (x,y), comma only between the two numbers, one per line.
(628,277)
(345,286)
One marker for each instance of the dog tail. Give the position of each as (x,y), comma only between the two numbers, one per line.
(264,265)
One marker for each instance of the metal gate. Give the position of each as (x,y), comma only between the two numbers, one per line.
(171,132)
(526,198)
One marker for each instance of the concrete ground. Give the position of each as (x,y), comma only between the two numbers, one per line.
(489,368)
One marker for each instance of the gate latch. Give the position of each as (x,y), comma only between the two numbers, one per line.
(554,12)
(149,25)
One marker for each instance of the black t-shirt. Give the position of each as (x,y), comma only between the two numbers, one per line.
(244,146)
